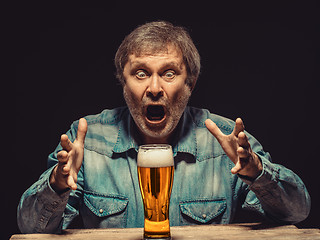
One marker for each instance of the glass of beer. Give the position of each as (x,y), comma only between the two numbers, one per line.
(155,171)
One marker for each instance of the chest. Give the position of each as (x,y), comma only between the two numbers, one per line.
(202,191)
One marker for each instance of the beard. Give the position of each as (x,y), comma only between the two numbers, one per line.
(171,113)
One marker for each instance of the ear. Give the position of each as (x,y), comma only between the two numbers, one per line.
(121,79)
(193,83)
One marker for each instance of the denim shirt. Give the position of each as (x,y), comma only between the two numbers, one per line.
(204,189)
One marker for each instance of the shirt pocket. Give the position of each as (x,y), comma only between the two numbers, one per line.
(203,211)
(105,211)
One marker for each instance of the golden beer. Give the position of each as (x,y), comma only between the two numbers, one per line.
(155,171)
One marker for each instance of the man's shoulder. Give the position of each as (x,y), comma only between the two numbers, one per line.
(200,115)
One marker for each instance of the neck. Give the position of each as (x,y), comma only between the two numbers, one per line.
(141,138)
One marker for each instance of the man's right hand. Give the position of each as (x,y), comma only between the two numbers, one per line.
(64,175)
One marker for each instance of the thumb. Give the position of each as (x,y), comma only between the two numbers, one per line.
(236,169)
(82,130)
(213,128)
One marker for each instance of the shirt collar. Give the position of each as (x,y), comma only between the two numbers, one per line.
(125,139)
(184,139)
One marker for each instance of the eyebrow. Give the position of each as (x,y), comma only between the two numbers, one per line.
(138,64)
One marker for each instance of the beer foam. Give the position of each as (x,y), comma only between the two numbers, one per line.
(153,156)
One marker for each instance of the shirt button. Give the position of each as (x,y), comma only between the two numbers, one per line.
(204,216)
(101,210)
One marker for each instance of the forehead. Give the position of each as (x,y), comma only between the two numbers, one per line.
(170,54)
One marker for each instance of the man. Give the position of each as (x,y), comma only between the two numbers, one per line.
(218,166)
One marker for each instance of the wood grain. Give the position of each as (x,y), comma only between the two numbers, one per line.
(244,231)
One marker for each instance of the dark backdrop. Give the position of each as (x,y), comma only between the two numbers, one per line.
(258,63)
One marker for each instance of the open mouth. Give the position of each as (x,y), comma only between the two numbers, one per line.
(155,113)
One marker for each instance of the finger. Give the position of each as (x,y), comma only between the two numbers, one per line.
(63,170)
(243,153)
(62,156)
(82,130)
(65,143)
(67,167)
(213,128)
(239,127)
(63,165)
(243,140)
(237,168)
(71,183)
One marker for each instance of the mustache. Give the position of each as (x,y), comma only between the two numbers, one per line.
(147,102)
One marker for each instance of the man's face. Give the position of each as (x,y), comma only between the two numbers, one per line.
(156,93)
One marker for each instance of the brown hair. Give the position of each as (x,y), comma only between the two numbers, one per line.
(154,37)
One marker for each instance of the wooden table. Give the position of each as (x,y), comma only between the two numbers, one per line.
(244,231)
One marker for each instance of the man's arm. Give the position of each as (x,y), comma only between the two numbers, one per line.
(43,207)
(280,191)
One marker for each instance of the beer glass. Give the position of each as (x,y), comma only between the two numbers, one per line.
(155,171)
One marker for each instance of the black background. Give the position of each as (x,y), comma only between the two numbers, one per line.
(259,62)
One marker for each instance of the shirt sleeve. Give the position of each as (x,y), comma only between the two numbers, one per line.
(278,193)
(41,209)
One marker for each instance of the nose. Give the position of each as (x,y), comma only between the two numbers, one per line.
(155,90)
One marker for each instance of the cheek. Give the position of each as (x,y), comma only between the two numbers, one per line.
(176,93)
(134,91)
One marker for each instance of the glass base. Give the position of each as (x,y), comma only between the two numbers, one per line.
(157,238)
(156,230)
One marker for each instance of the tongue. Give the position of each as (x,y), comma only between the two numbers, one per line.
(155,113)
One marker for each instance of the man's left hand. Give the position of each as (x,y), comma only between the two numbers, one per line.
(238,149)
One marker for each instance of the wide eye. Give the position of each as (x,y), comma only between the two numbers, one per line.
(169,74)
(141,74)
